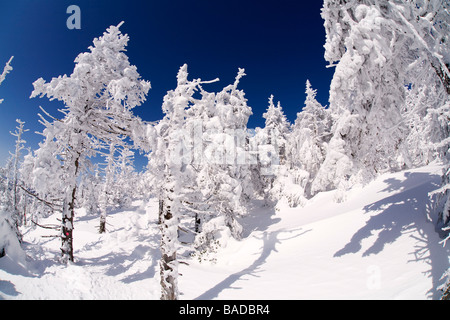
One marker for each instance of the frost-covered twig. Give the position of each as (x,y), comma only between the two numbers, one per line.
(6,70)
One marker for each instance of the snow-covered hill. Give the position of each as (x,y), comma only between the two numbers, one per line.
(378,244)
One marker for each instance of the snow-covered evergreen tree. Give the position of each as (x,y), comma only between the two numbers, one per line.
(168,165)
(127,180)
(309,138)
(88,194)
(375,44)
(365,95)
(225,176)
(272,151)
(12,199)
(442,194)
(16,191)
(423,115)
(276,129)
(98,98)
(105,197)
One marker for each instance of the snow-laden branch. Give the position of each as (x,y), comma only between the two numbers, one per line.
(6,70)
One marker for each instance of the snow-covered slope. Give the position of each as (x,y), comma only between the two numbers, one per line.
(378,244)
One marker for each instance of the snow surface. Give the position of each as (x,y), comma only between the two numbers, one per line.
(378,244)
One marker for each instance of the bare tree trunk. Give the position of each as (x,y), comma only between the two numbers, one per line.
(198,222)
(446,295)
(161,211)
(443,75)
(104,198)
(169,237)
(67,228)
(68,214)
(102,226)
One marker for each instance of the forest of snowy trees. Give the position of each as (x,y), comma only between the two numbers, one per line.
(389,110)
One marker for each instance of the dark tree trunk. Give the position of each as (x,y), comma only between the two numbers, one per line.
(441,72)
(446,295)
(198,222)
(168,263)
(102,226)
(160,213)
(67,229)
(67,218)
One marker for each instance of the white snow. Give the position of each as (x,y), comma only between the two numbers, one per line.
(377,244)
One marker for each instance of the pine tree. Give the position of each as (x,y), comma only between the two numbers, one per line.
(88,194)
(168,165)
(442,194)
(98,98)
(276,129)
(105,197)
(272,150)
(376,45)
(11,215)
(226,176)
(18,215)
(127,179)
(309,139)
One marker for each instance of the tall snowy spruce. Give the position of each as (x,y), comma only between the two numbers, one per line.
(390,91)
(168,166)
(98,100)
(105,196)
(225,177)
(272,151)
(12,215)
(309,138)
(18,213)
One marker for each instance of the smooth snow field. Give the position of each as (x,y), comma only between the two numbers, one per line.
(377,244)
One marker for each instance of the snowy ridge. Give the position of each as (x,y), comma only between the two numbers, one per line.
(378,244)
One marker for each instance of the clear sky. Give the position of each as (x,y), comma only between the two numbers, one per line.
(279,43)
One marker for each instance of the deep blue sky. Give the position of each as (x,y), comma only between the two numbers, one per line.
(279,43)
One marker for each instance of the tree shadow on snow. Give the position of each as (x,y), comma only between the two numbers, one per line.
(402,213)
(8,288)
(261,222)
(120,262)
(259,218)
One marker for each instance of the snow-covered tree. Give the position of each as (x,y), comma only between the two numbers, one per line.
(309,138)
(442,194)
(6,70)
(98,100)
(18,213)
(126,177)
(272,151)
(276,129)
(423,115)
(17,156)
(375,44)
(225,176)
(105,197)
(168,165)
(88,194)
(12,202)
(120,181)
